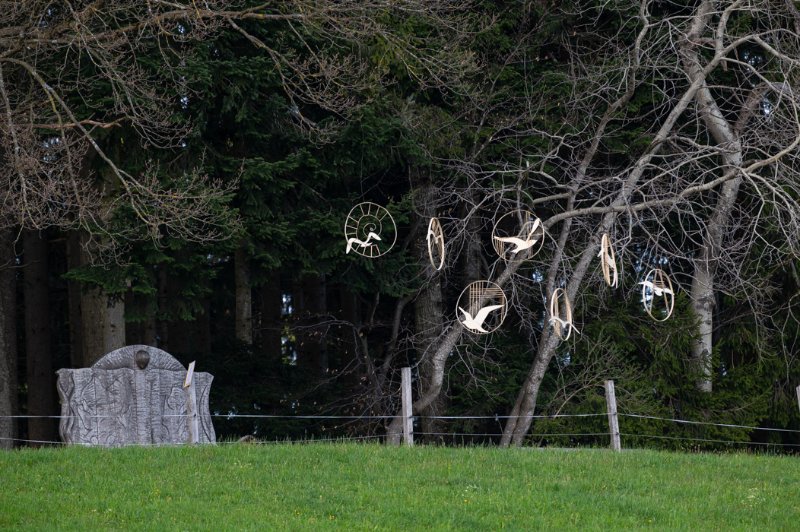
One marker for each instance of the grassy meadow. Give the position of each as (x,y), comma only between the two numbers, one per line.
(373,487)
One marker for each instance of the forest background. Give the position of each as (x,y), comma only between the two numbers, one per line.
(179,175)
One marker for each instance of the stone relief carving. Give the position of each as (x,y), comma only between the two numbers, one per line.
(133,395)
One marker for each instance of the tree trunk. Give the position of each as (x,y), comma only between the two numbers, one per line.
(312,353)
(192,336)
(428,394)
(702,296)
(350,313)
(73,249)
(142,331)
(428,314)
(474,249)
(162,304)
(431,321)
(41,382)
(520,418)
(97,320)
(270,323)
(428,323)
(8,340)
(244,296)
(726,135)
(103,320)
(202,328)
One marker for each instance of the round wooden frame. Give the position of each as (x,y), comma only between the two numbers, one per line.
(561,324)
(364,230)
(658,281)
(502,242)
(478,293)
(435,239)
(608,261)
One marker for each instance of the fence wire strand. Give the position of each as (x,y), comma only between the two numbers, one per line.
(683,438)
(726,425)
(223,443)
(32,441)
(281,416)
(552,416)
(544,435)
(305,441)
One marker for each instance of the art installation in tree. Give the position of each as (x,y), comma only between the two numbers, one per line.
(370,230)
(608,262)
(561,314)
(482,307)
(435,240)
(518,234)
(656,287)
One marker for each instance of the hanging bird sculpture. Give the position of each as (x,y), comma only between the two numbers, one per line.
(361,243)
(519,243)
(476,323)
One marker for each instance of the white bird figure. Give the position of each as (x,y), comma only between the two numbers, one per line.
(608,258)
(362,243)
(657,290)
(435,239)
(521,244)
(555,320)
(476,323)
(432,235)
(611,265)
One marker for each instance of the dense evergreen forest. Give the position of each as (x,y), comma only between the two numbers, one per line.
(180,176)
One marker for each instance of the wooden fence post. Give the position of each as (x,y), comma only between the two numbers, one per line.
(191,406)
(408,420)
(613,421)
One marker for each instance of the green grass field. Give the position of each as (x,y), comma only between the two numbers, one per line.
(367,487)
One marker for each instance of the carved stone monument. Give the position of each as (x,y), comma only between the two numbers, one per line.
(134,395)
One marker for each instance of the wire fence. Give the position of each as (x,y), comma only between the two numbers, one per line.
(724,425)
(484,436)
(342,439)
(709,440)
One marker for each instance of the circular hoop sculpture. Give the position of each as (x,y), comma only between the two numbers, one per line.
(562,323)
(518,234)
(608,262)
(435,240)
(481,307)
(657,285)
(370,230)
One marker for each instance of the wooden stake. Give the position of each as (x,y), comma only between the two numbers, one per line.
(191,406)
(408,420)
(189,373)
(613,421)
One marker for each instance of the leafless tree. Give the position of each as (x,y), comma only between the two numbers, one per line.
(70,70)
(716,160)
(59,66)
